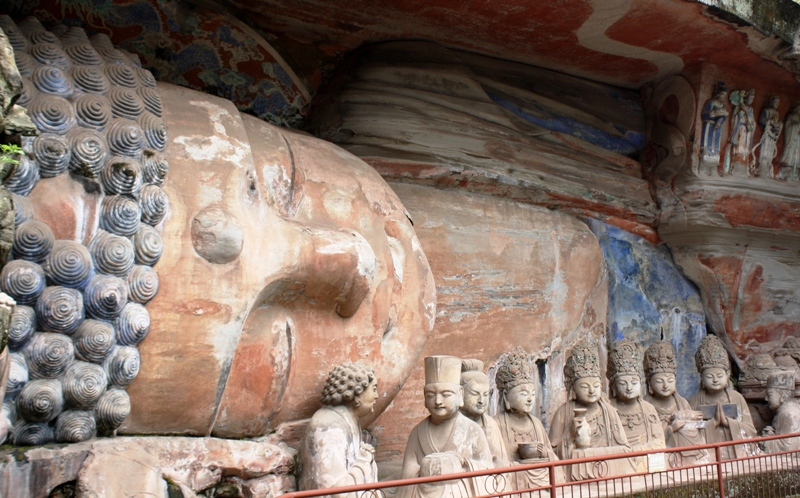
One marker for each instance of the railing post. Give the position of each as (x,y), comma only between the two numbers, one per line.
(720,479)
(552,471)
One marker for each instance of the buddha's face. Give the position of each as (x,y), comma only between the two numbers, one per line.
(628,387)
(662,385)
(587,390)
(714,379)
(367,399)
(476,397)
(442,400)
(520,398)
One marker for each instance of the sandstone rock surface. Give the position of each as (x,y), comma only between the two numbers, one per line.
(507,275)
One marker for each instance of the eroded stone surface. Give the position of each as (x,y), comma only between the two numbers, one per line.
(507,274)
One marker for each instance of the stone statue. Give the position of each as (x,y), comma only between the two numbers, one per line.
(639,418)
(587,425)
(771,121)
(780,396)
(477,390)
(682,426)
(790,159)
(714,116)
(524,438)
(725,410)
(334,451)
(446,442)
(743,126)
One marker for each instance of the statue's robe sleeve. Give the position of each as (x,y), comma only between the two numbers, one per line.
(787,421)
(495,440)
(332,454)
(468,443)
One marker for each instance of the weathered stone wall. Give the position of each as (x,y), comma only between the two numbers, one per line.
(507,275)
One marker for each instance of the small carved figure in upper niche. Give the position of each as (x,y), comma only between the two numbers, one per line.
(477,390)
(771,121)
(639,418)
(446,442)
(682,425)
(524,438)
(714,116)
(334,451)
(587,425)
(790,159)
(780,397)
(725,410)
(743,125)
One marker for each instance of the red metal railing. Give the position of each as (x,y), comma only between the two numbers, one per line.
(757,475)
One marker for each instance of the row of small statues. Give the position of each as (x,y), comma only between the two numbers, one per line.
(740,148)
(460,436)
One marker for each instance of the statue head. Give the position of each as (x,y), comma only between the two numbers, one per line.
(749,96)
(660,367)
(443,393)
(720,90)
(713,364)
(780,388)
(516,382)
(774,102)
(625,370)
(476,387)
(353,385)
(582,374)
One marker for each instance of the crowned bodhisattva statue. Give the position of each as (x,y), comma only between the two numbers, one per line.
(524,439)
(587,425)
(446,442)
(334,451)
(639,418)
(724,409)
(682,425)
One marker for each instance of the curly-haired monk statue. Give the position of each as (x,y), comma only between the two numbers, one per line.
(587,425)
(524,437)
(333,452)
(446,442)
(725,410)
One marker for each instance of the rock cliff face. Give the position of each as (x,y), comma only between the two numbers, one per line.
(507,274)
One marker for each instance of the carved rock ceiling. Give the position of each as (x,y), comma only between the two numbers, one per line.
(624,42)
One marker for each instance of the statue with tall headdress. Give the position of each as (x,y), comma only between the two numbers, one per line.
(446,442)
(524,438)
(714,116)
(639,418)
(587,425)
(682,425)
(724,409)
(780,397)
(743,126)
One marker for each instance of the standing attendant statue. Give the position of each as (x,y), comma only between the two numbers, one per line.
(524,439)
(446,442)
(587,425)
(743,125)
(639,418)
(334,451)
(780,397)
(714,116)
(790,159)
(771,121)
(725,410)
(682,426)
(477,390)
